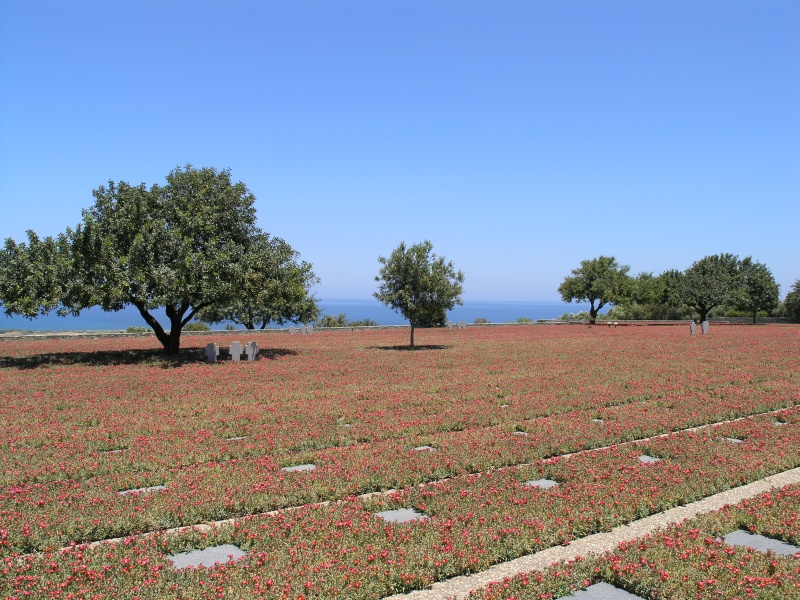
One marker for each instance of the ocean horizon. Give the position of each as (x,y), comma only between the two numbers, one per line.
(356,309)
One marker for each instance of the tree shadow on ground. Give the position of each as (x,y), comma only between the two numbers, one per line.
(420,347)
(150,357)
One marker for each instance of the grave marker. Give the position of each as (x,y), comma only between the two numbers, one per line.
(306,467)
(251,350)
(692,327)
(401,515)
(211,352)
(207,557)
(545,484)
(704,325)
(759,542)
(648,459)
(152,488)
(236,351)
(292,330)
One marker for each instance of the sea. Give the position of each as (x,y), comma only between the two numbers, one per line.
(95,319)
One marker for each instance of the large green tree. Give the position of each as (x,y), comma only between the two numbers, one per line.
(419,285)
(710,282)
(757,288)
(185,246)
(599,281)
(275,288)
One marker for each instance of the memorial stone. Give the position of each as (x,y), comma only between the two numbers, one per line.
(251,350)
(211,352)
(692,327)
(292,330)
(236,351)
(704,325)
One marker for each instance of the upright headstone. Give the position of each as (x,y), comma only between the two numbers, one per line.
(704,325)
(211,352)
(251,350)
(309,329)
(236,351)
(692,327)
(449,324)
(292,330)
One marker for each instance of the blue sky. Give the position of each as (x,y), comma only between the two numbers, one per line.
(519,137)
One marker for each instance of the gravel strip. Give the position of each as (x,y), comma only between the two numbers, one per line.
(460,587)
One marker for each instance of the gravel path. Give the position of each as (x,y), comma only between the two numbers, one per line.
(460,587)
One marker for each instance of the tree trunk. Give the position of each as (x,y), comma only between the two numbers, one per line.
(755,314)
(412,335)
(593,313)
(703,313)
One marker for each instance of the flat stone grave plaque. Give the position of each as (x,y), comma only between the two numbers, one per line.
(305,467)
(117,451)
(733,440)
(237,438)
(522,433)
(597,420)
(545,484)
(401,515)
(648,459)
(602,591)
(780,423)
(423,449)
(759,542)
(208,557)
(504,405)
(152,488)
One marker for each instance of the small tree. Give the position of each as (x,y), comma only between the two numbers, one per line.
(757,289)
(711,282)
(791,304)
(599,281)
(419,285)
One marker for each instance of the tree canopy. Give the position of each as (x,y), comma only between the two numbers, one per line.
(711,281)
(757,289)
(791,304)
(419,285)
(599,281)
(186,246)
(274,288)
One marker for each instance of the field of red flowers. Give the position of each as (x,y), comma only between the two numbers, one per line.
(86,419)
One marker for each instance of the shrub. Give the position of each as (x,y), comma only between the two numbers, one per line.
(480,321)
(524,320)
(197,326)
(136,330)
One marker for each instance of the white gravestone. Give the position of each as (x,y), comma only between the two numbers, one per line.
(236,351)
(211,352)
(692,327)
(251,350)
(704,325)
(292,330)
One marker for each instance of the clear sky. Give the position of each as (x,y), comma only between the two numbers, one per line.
(519,137)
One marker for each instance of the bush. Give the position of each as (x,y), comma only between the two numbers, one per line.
(330,321)
(524,320)
(480,321)
(136,330)
(196,326)
(229,327)
(362,323)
